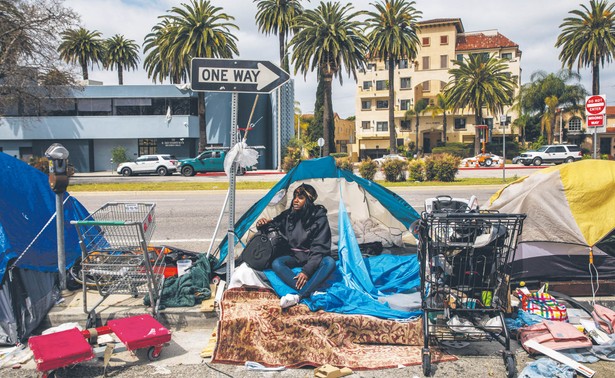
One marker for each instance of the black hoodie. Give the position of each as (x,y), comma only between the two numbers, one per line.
(308,234)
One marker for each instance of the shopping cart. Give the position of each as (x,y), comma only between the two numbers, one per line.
(115,254)
(465,278)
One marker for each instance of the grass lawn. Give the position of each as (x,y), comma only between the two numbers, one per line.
(251,185)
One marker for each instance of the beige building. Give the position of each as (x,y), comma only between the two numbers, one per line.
(442,40)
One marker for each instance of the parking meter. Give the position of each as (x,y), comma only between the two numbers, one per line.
(58,164)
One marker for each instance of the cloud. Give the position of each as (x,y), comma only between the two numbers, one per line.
(533,24)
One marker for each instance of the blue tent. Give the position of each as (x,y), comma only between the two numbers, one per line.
(28,246)
(359,211)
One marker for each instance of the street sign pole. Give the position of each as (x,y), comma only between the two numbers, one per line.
(503,123)
(595,107)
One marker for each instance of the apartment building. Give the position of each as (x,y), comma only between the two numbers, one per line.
(441,41)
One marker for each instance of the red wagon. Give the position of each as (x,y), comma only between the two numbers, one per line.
(65,348)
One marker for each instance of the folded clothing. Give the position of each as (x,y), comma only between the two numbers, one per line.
(554,335)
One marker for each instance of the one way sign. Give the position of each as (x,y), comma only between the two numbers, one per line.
(230,75)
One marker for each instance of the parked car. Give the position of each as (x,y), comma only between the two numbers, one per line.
(381,160)
(207,161)
(162,165)
(517,160)
(557,153)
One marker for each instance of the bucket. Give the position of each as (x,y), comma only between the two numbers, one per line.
(183,266)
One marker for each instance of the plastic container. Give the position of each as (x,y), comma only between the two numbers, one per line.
(183,266)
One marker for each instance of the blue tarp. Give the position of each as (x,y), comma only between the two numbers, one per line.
(357,283)
(27,203)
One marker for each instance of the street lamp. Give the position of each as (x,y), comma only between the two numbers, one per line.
(58,180)
(503,120)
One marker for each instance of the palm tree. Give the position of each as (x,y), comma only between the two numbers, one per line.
(417,110)
(83,47)
(392,37)
(589,38)
(329,39)
(547,92)
(122,53)
(478,82)
(278,17)
(195,30)
(440,106)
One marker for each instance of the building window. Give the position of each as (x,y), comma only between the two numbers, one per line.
(382,126)
(507,56)
(367,85)
(405,83)
(460,57)
(484,55)
(365,125)
(94,106)
(59,107)
(382,85)
(366,105)
(444,39)
(460,123)
(403,63)
(371,66)
(574,125)
(426,86)
(404,104)
(147,146)
(443,61)
(425,62)
(425,41)
(404,125)
(382,104)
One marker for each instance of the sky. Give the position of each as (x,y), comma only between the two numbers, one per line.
(532,24)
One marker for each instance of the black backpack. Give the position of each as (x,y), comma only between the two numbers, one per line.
(267,244)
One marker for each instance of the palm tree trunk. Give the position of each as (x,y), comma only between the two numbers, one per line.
(202,123)
(596,78)
(444,124)
(282,47)
(326,116)
(84,70)
(392,134)
(120,74)
(477,121)
(417,134)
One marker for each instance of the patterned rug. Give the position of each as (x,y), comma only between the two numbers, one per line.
(253,327)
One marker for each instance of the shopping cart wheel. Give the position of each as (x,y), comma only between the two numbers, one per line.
(426,362)
(511,365)
(153,354)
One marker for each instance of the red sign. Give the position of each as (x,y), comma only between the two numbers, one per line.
(595,105)
(595,121)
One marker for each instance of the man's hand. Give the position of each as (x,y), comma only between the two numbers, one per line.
(301,278)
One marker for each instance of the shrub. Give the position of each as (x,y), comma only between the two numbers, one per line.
(604,157)
(367,169)
(454,148)
(338,155)
(292,158)
(394,170)
(344,163)
(118,154)
(442,167)
(416,170)
(40,163)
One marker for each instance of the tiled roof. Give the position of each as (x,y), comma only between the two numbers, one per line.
(480,41)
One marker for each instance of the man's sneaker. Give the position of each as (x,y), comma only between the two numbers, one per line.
(289,300)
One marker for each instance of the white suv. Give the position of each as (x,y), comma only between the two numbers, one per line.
(555,153)
(162,165)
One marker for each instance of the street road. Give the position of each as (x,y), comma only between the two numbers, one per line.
(187,219)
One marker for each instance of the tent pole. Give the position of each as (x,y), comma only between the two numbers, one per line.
(213,238)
